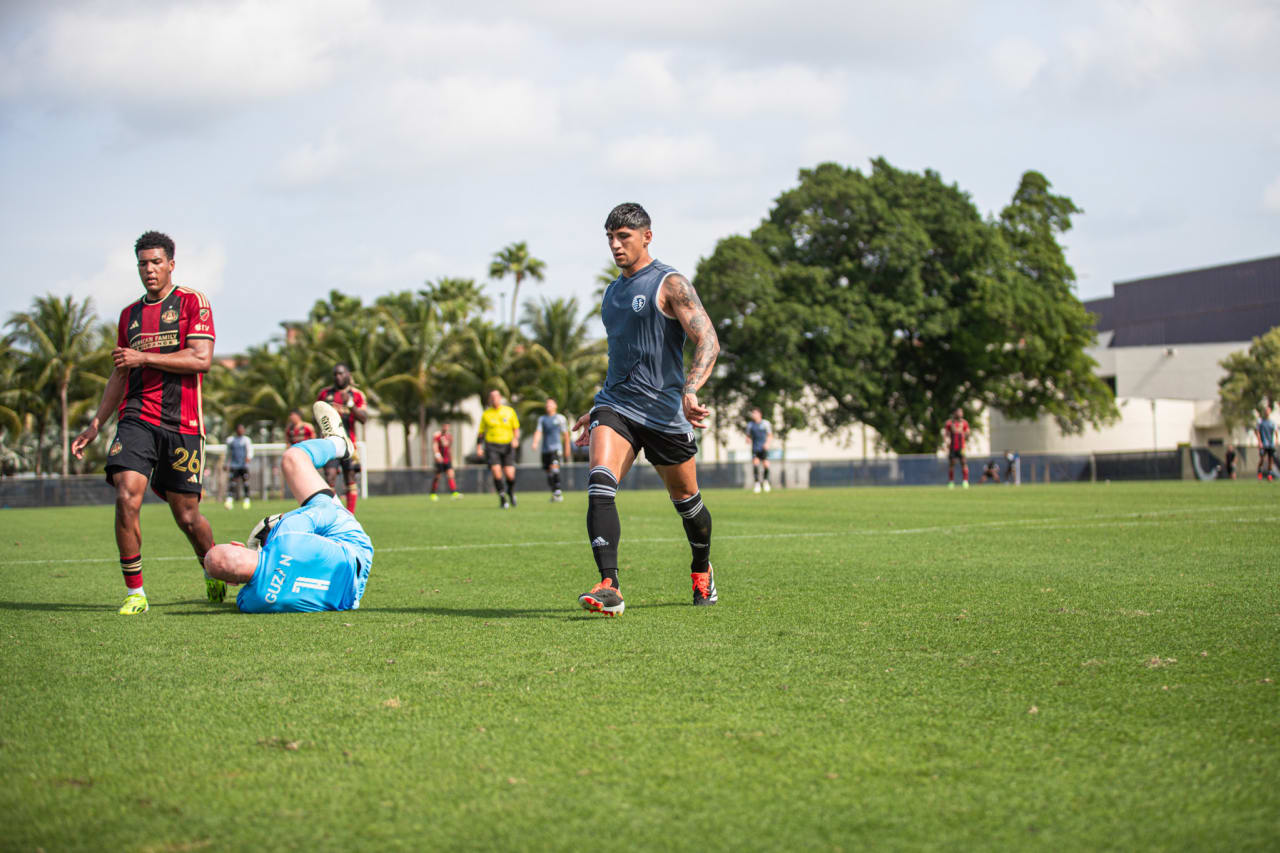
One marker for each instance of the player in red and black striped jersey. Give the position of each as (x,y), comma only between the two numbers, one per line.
(349,401)
(297,429)
(164,346)
(956,431)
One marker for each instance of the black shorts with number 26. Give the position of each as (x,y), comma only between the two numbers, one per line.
(173,461)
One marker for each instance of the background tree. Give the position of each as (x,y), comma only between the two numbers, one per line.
(572,363)
(515,261)
(886,299)
(61,343)
(1252,380)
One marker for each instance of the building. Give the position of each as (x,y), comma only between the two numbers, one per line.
(1160,343)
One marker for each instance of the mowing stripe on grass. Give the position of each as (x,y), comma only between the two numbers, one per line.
(1128,519)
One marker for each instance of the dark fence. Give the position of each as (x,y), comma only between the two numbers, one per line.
(1185,463)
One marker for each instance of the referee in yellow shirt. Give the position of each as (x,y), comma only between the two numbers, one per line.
(497,442)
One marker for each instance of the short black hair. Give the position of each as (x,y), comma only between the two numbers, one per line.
(155,240)
(628,215)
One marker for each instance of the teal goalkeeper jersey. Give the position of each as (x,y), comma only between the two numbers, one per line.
(317,557)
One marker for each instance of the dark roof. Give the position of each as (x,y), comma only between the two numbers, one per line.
(1233,302)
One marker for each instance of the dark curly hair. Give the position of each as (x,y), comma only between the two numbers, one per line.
(155,240)
(627,215)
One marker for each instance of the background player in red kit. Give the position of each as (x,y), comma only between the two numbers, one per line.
(164,346)
(297,429)
(957,433)
(442,450)
(349,402)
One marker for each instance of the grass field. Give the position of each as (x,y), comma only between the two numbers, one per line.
(1049,667)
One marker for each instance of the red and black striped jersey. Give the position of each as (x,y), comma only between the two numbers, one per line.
(351,397)
(957,433)
(443,444)
(168,400)
(302,432)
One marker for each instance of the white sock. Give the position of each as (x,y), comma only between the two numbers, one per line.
(339,446)
(138,591)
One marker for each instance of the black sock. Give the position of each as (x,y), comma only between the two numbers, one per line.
(603,526)
(511,487)
(755,474)
(766,473)
(697,527)
(497,485)
(555,481)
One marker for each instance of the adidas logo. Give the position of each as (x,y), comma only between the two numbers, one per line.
(599,542)
(133,325)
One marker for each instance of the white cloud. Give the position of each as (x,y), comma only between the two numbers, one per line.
(115,284)
(206,52)
(1015,61)
(665,157)
(788,90)
(1271,196)
(312,162)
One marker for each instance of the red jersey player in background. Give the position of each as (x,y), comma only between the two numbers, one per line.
(297,429)
(164,346)
(442,451)
(957,433)
(349,402)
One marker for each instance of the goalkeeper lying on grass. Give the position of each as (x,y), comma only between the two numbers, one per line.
(316,557)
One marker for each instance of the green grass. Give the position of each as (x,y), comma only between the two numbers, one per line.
(1067,666)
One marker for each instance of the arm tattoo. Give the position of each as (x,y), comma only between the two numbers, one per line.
(683,303)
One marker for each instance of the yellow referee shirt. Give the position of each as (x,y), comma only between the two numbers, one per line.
(498,426)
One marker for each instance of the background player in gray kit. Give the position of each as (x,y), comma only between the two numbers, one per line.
(761,432)
(239,452)
(647,402)
(552,438)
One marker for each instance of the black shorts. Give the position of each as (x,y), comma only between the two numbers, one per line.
(350,468)
(762,455)
(549,459)
(442,467)
(239,473)
(1266,453)
(660,448)
(173,461)
(956,454)
(499,454)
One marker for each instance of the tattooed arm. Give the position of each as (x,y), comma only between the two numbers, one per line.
(677,298)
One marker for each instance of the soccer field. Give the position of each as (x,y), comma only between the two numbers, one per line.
(1048,667)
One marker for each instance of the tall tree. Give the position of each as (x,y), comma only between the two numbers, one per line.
(886,299)
(1252,380)
(515,261)
(574,365)
(60,340)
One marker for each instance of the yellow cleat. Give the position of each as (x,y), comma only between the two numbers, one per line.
(133,603)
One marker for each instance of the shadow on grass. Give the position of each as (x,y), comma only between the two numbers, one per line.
(62,606)
(509,612)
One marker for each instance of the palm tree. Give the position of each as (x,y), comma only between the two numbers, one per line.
(59,339)
(575,364)
(515,261)
(496,357)
(458,300)
(423,361)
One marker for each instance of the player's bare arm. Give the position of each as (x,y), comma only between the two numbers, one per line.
(111,397)
(196,358)
(677,298)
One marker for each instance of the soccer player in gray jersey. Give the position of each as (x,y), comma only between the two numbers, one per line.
(239,452)
(551,438)
(760,431)
(647,403)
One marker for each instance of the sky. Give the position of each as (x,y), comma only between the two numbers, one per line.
(298,146)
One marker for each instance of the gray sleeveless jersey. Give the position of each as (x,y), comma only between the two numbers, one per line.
(645,381)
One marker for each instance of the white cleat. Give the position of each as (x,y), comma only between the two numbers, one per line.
(330,423)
